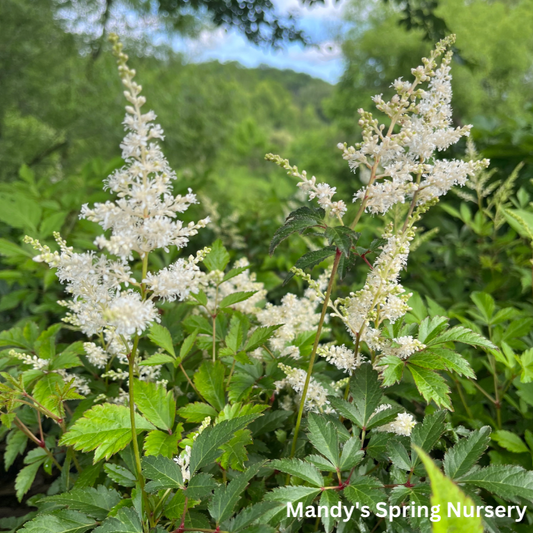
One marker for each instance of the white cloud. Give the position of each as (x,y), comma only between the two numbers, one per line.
(322,23)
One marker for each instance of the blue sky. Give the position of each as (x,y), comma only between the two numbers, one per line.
(321,23)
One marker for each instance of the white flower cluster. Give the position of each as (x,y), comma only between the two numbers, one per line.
(142,219)
(323,194)
(36,362)
(78,383)
(178,280)
(342,357)
(243,282)
(403,425)
(403,347)
(404,162)
(316,399)
(382,297)
(297,314)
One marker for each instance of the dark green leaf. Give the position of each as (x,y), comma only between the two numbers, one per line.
(323,436)
(164,473)
(311,259)
(209,380)
(465,454)
(95,502)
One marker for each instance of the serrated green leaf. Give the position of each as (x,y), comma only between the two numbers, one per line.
(157,359)
(68,358)
(311,259)
(94,502)
(235,454)
(345,265)
(485,303)
(161,337)
(323,436)
(393,371)
(342,237)
(126,521)
(59,522)
(25,478)
(161,443)
(200,486)
(299,469)
(200,297)
(464,335)
(297,221)
(431,327)
(155,403)
(234,272)
(248,516)
(15,444)
(351,454)
(321,463)
(120,475)
(164,473)
(465,454)
(292,495)
(46,393)
(452,361)
(432,386)
(399,455)
(209,380)
(206,448)
(509,482)
(510,441)
(235,298)
(187,345)
(88,476)
(225,497)
(104,428)
(197,412)
(235,337)
(428,433)
(259,336)
(366,393)
(366,490)
(445,491)
(329,499)
(217,258)
(526,364)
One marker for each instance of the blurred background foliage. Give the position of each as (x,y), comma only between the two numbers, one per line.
(61,107)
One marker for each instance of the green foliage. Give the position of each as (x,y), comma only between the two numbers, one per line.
(93,502)
(462,399)
(105,429)
(444,491)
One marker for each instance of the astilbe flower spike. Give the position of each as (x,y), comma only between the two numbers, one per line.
(402,160)
(106,298)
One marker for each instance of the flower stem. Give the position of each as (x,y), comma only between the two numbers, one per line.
(136,452)
(315,347)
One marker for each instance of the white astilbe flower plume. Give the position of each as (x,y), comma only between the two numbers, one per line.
(406,157)
(316,399)
(382,297)
(144,217)
(105,296)
(296,314)
(403,425)
(342,357)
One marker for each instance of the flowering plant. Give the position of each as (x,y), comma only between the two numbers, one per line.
(208,437)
